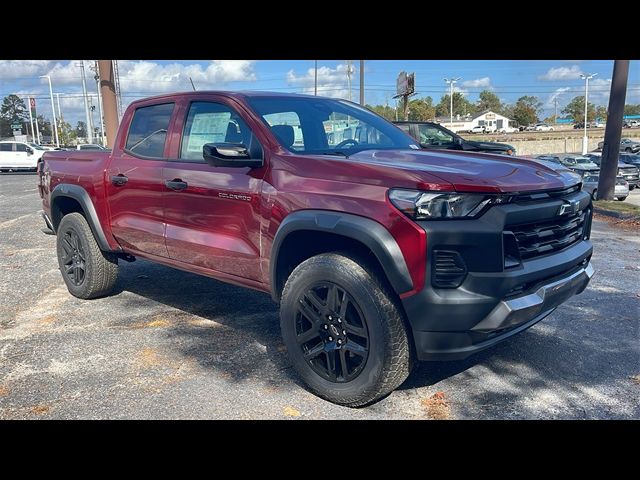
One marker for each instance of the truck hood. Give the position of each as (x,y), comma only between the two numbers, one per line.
(468,171)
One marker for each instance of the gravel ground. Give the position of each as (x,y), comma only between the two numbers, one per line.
(170,344)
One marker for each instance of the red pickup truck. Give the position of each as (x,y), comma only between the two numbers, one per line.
(379,253)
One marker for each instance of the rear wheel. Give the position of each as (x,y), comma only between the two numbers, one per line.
(344,333)
(594,195)
(628,150)
(88,271)
(622,199)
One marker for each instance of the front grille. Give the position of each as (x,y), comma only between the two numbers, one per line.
(541,238)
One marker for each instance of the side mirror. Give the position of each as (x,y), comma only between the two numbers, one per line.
(229,155)
(29,151)
(457,140)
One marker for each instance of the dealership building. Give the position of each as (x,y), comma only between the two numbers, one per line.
(488,118)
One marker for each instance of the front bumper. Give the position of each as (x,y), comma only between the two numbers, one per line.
(493,302)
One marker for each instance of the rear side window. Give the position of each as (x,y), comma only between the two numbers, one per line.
(148,130)
(5,147)
(21,147)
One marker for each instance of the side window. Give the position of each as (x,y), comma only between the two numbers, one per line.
(433,136)
(148,130)
(286,126)
(21,147)
(5,147)
(209,122)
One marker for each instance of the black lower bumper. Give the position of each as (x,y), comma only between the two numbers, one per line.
(493,302)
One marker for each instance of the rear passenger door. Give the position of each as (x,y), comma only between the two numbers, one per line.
(134,180)
(212,213)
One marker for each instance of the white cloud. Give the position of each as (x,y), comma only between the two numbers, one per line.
(484,82)
(332,82)
(556,94)
(18,69)
(600,90)
(561,73)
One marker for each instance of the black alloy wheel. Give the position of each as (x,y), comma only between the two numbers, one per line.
(73,258)
(332,332)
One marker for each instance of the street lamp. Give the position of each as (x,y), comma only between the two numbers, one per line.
(585,139)
(451,81)
(53,110)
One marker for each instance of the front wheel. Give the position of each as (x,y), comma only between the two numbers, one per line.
(622,199)
(628,150)
(344,332)
(594,195)
(88,271)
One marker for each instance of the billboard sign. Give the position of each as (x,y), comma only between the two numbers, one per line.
(405,84)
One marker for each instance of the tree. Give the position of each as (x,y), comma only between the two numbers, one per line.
(631,109)
(575,109)
(489,101)
(13,110)
(44,125)
(526,109)
(81,129)
(65,132)
(383,110)
(601,113)
(422,109)
(461,106)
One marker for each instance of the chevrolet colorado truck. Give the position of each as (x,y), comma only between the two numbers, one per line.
(379,253)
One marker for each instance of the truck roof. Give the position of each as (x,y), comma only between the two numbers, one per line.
(226,93)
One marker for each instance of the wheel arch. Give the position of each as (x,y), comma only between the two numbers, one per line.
(305,233)
(67,198)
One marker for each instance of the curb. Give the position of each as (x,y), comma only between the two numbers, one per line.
(618,215)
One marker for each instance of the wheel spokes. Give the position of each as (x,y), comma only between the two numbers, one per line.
(308,312)
(314,352)
(356,348)
(307,336)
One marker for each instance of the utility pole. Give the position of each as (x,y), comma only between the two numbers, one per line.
(613,130)
(315,78)
(451,81)
(349,72)
(96,77)
(555,115)
(86,103)
(362,82)
(585,139)
(58,102)
(109,100)
(33,133)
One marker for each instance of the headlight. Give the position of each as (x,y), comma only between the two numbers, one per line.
(441,205)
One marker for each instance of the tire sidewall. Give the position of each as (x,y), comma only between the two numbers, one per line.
(354,281)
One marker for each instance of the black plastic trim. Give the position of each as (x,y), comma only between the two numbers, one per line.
(369,232)
(82,197)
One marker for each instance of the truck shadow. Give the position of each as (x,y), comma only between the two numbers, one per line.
(235,332)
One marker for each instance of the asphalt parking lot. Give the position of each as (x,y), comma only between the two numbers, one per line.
(171,344)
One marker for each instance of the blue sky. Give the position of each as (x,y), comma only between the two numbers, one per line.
(546,79)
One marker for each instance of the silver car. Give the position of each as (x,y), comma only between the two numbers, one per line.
(590,184)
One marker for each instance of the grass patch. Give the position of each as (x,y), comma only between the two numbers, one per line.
(627,209)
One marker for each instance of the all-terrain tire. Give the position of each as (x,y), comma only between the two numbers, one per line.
(389,359)
(78,251)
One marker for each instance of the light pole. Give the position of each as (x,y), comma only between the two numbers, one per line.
(53,110)
(451,81)
(585,139)
(89,138)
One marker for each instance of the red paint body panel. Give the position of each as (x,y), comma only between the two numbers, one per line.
(223,225)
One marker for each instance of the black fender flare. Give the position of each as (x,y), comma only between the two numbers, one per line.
(82,197)
(368,232)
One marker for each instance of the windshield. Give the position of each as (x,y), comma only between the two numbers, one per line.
(36,146)
(327,126)
(583,160)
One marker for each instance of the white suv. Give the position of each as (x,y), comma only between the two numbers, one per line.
(19,155)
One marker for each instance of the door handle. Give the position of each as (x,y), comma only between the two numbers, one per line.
(176,184)
(119,180)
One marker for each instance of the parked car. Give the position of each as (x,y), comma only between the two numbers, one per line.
(508,130)
(549,158)
(377,251)
(478,129)
(530,128)
(543,127)
(579,164)
(590,185)
(596,124)
(628,172)
(490,129)
(631,124)
(89,146)
(630,159)
(626,145)
(433,135)
(16,156)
